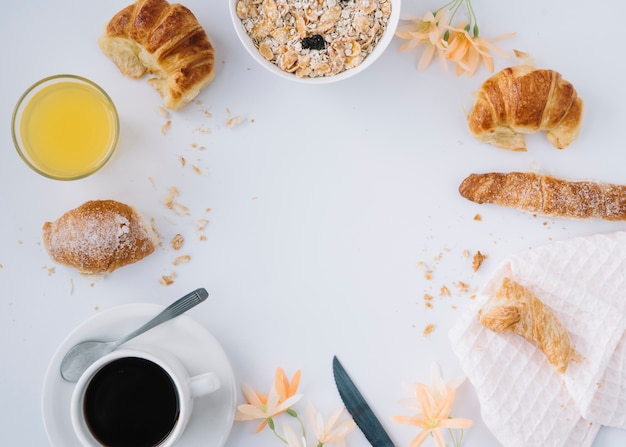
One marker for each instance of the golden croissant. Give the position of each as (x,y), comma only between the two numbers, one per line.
(523,100)
(163,39)
(99,236)
(516,309)
(547,195)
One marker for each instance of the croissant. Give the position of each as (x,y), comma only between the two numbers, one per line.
(165,40)
(99,236)
(546,195)
(516,309)
(522,100)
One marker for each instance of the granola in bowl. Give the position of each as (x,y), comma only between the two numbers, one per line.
(315,40)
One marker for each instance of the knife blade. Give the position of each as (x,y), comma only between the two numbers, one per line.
(359,409)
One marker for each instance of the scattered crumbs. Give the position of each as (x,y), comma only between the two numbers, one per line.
(50,270)
(182,260)
(167,280)
(182,160)
(96,308)
(208,210)
(465,254)
(197,170)
(177,241)
(454,307)
(93,284)
(166,126)
(19,242)
(252,120)
(598,385)
(444,291)
(478,217)
(1,266)
(172,204)
(472,297)
(207,113)
(462,287)
(201,224)
(234,121)
(477,261)
(164,113)
(545,224)
(151,180)
(194,145)
(429,329)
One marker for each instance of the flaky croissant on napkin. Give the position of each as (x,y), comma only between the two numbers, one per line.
(524,400)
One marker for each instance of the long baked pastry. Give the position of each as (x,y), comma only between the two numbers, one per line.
(515,309)
(547,195)
(520,100)
(163,39)
(99,236)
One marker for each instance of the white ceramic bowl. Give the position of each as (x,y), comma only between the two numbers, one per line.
(380,47)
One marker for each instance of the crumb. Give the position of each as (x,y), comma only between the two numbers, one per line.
(465,253)
(207,114)
(177,241)
(234,121)
(168,280)
(428,297)
(429,329)
(472,297)
(444,291)
(196,169)
(182,260)
(201,224)
(96,308)
(477,261)
(478,217)
(164,113)
(166,126)
(208,210)
(1,266)
(202,237)
(453,307)
(463,287)
(93,284)
(428,305)
(182,160)
(51,271)
(428,274)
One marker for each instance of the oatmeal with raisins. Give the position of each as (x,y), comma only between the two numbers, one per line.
(313,38)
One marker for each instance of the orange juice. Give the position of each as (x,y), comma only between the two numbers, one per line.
(68,128)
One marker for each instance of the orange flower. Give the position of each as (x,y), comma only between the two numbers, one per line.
(426,31)
(467,52)
(434,416)
(280,398)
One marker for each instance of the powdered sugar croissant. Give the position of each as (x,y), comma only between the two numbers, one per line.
(99,236)
(165,40)
(516,309)
(522,100)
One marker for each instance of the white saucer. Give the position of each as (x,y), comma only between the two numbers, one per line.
(196,348)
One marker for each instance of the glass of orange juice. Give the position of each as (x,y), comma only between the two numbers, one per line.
(65,127)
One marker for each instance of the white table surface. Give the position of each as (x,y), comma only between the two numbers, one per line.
(323,203)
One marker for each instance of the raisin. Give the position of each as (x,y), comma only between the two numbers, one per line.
(315,42)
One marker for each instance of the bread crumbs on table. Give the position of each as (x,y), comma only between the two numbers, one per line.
(177,241)
(181,260)
(168,280)
(477,261)
(166,126)
(182,160)
(429,329)
(197,170)
(478,217)
(444,291)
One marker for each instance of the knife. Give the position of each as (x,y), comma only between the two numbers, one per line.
(358,408)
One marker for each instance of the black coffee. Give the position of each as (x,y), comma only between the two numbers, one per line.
(131,402)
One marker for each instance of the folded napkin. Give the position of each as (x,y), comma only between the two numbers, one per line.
(524,401)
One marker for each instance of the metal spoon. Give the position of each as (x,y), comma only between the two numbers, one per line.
(79,357)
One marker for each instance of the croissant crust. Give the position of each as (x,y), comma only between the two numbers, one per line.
(521,100)
(99,236)
(516,309)
(154,36)
(547,195)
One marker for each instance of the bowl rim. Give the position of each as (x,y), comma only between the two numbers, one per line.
(25,98)
(379,49)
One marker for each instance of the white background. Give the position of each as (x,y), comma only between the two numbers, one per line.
(323,203)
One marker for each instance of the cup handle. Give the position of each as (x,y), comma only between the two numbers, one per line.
(203,384)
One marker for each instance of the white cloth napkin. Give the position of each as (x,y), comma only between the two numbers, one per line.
(524,402)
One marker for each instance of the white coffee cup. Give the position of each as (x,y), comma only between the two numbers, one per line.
(139,396)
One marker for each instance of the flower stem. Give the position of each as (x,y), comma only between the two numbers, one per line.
(272,426)
(292,413)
